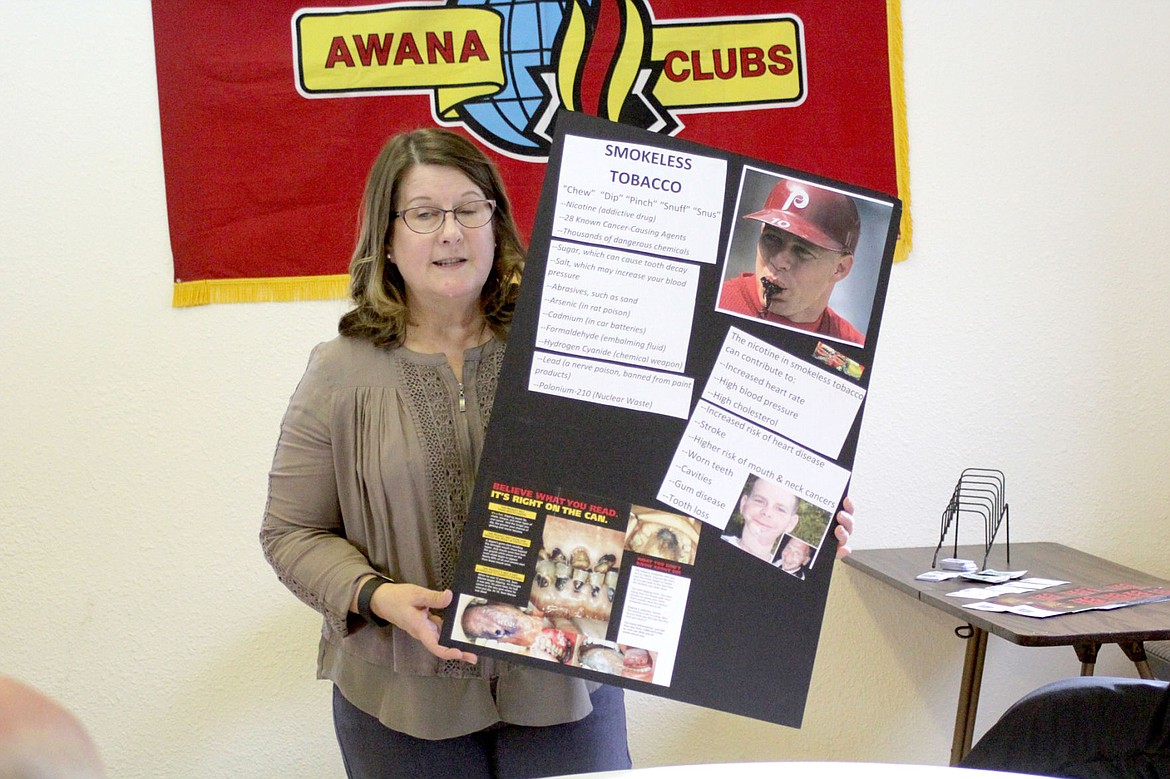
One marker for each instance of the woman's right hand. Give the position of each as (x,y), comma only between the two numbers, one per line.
(408,607)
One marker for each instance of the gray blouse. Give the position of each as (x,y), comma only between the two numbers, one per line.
(373,472)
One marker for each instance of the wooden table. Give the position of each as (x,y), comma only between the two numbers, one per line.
(1086,631)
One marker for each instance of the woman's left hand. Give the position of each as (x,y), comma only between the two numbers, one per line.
(409,608)
(844,527)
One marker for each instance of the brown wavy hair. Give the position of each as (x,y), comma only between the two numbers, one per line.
(380,313)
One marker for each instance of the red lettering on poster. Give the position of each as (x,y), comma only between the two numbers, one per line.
(668,66)
(697,72)
(339,52)
(407,50)
(373,46)
(782,64)
(437,49)
(473,47)
(751,62)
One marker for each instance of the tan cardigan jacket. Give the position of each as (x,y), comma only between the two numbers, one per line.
(373,472)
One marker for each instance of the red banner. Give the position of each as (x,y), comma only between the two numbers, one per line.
(273,111)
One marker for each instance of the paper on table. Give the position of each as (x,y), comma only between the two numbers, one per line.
(982,593)
(937,576)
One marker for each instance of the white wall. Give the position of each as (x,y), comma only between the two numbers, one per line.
(1026,332)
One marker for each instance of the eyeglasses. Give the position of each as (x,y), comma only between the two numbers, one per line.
(428,219)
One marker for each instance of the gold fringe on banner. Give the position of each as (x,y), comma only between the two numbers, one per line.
(901,135)
(278,289)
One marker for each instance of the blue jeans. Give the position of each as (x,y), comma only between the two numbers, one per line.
(597,742)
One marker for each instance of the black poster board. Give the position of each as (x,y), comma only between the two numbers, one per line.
(640,423)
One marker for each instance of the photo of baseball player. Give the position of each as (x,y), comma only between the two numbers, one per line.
(792,250)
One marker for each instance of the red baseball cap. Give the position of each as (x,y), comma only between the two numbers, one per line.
(818,215)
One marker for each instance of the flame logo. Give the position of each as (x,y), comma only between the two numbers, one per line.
(601,65)
(600,71)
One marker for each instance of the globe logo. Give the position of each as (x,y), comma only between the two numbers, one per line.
(530,33)
(517,119)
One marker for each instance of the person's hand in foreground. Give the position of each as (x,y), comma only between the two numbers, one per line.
(844,527)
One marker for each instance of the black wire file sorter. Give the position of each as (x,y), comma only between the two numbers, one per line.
(978,494)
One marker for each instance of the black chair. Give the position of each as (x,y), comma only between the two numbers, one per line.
(1086,727)
(1158,653)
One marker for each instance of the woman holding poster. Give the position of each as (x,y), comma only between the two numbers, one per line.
(373,472)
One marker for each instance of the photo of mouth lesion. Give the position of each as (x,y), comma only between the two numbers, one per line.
(662,534)
(515,629)
(532,633)
(772,523)
(803,256)
(572,641)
